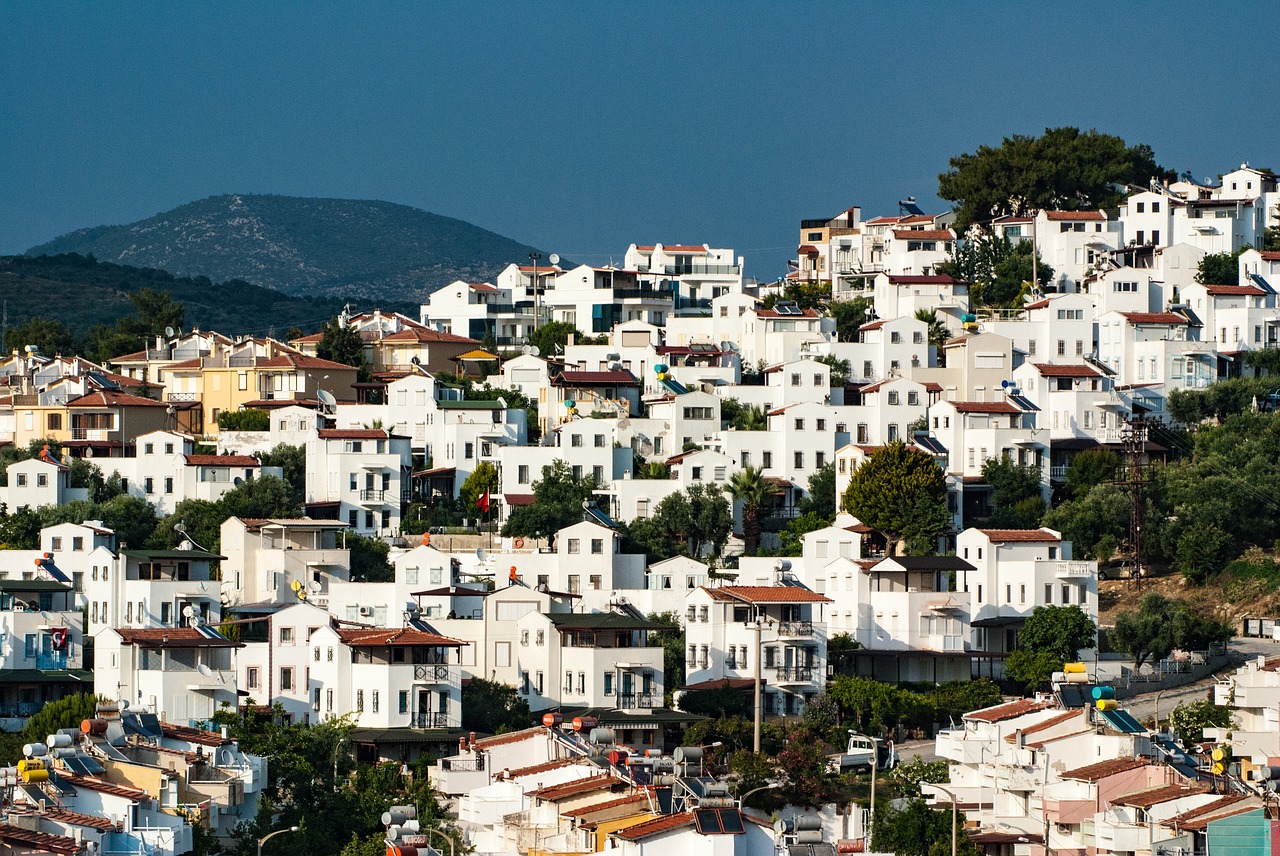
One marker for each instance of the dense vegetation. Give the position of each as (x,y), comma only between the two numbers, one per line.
(77,297)
(332,247)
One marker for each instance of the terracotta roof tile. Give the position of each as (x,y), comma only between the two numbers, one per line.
(1009,710)
(630,799)
(1212,807)
(222,461)
(1225,290)
(510,737)
(984,407)
(1154,318)
(580,378)
(93,821)
(918,279)
(766,594)
(416,334)
(683,248)
(390,636)
(657,826)
(353,434)
(198,736)
(1012,535)
(31,840)
(577,787)
(175,637)
(1051,370)
(1200,823)
(1043,725)
(924,234)
(773,313)
(533,770)
(1163,793)
(1074,215)
(112,398)
(1102,769)
(102,786)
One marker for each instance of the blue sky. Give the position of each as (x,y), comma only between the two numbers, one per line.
(582,127)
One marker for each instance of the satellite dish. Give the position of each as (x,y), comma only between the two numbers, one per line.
(237,481)
(180,527)
(168,331)
(415,360)
(624,423)
(586,505)
(535,350)
(315,586)
(526,349)
(204,670)
(481,555)
(554,259)
(615,367)
(326,399)
(296,585)
(189,611)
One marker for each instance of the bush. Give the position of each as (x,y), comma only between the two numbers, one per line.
(244,420)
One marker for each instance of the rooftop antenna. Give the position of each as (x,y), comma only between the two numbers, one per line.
(168,332)
(327,402)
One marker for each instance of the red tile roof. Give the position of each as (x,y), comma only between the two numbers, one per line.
(984,407)
(300,361)
(1011,535)
(808,250)
(537,768)
(577,787)
(314,337)
(1200,823)
(380,636)
(577,378)
(657,826)
(1154,318)
(916,218)
(629,799)
(102,786)
(199,736)
(1271,256)
(1212,807)
(222,461)
(27,839)
(510,737)
(516,499)
(924,234)
(482,286)
(1010,710)
(766,594)
(1044,724)
(1051,370)
(175,637)
(112,398)
(874,325)
(683,248)
(1163,793)
(425,334)
(1039,304)
(1074,215)
(917,279)
(882,221)
(353,434)
(93,821)
(1227,290)
(1102,769)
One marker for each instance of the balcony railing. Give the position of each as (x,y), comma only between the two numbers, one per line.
(795,628)
(434,720)
(49,662)
(373,495)
(681,270)
(797,674)
(636,701)
(183,396)
(431,673)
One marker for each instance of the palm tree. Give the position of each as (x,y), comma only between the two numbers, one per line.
(752,419)
(749,487)
(938,333)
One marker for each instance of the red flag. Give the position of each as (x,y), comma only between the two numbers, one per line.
(483,502)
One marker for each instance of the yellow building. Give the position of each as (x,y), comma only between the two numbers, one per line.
(97,424)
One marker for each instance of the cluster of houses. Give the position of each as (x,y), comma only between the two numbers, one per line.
(671,343)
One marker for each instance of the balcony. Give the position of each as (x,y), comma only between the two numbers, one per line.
(374,496)
(1075,570)
(52,661)
(91,433)
(795,674)
(182,396)
(430,674)
(695,269)
(662,294)
(795,628)
(436,720)
(637,701)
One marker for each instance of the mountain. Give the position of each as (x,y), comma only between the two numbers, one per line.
(81,292)
(315,247)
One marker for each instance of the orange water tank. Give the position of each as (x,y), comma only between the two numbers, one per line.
(552,720)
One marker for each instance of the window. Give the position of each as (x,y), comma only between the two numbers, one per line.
(42,480)
(148,448)
(913,398)
(503,653)
(720,473)
(695,473)
(863,432)
(599,441)
(1155,207)
(917,338)
(892,432)
(575,440)
(895,338)
(817,380)
(328,700)
(820,424)
(1155,236)
(468,450)
(893,398)
(55,422)
(360,701)
(1022,594)
(22,482)
(522,474)
(286,679)
(286,635)
(799,424)
(149,485)
(819,459)
(1048,593)
(375,701)
(608,683)
(597,546)
(77,543)
(404,701)
(795,378)
(77,581)
(168,484)
(251,677)
(1062,347)
(595,581)
(767,460)
(1139,207)
(799,458)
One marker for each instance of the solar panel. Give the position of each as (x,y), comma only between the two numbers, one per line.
(1121,721)
(718,821)
(1022,403)
(731,821)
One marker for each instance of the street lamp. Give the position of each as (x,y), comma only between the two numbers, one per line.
(951,794)
(742,800)
(270,835)
(429,830)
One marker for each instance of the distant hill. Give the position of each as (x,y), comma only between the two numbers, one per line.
(81,292)
(302,246)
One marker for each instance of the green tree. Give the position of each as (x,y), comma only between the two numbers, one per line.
(66,712)
(1191,718)
(698,519)
(1032,669)
(19,530)
(50,336)
(1220,268)
(749,487)
(1063,168)
(1015,493)
(1099,516)
(806,775)
(718,701)
(244,420)
(915,829)
(550,338)
(790,543)
(483,480)
(909,776)
(1060,630)
(671,641)
(1160,625)
(938,334)
(840,369)
(849,316)
(292,461)
(1090,468)
(340,343)
(558,503)
(489,707)
(369,559)
(894,481)
(822,493)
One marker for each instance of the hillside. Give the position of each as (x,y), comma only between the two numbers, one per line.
(81,292)
(374,251)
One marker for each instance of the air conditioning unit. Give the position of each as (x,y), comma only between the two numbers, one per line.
(366,611)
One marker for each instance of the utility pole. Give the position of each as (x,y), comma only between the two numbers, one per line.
(1134,437)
